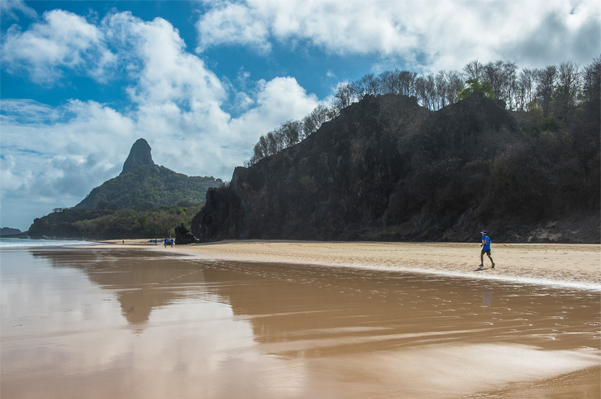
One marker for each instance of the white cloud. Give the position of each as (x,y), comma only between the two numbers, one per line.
(233,23)
(278,100)
(569,33)
(441,34)
(46,158)
(157,60)
(61,40)
(10,8)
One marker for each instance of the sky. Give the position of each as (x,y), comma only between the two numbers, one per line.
(202,80)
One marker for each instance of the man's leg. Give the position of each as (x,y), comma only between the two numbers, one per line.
(491,261)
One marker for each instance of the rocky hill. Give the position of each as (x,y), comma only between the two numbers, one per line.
(144,201)
(143,183)
(389,169)
(8,231)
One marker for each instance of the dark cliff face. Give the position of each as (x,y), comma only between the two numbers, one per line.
(385,169)
(139,155)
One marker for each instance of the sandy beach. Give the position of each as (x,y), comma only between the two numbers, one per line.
(570,265)
(275,319)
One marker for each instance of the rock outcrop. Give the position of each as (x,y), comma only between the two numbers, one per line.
(183,235)
(139,155)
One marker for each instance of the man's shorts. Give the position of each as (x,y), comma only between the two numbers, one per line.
(486,251)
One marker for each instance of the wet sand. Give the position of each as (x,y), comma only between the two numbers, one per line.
(569,265)
(132,323)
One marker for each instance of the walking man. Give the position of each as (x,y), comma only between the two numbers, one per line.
(485,249)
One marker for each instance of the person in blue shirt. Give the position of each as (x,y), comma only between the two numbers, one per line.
(485,249)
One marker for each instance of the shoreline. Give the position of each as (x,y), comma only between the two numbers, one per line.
(563,265)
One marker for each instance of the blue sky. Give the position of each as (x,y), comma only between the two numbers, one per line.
(202,80)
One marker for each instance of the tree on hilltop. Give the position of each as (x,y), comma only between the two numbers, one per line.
(474,85)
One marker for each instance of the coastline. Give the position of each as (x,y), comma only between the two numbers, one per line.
(565,265)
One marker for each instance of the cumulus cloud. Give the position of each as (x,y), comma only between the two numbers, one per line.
(10,8)
(233,23)
(426,34)
(50,157)
(572,34)
(277,100)
(61,40)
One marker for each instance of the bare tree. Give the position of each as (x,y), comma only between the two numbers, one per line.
(442,86)
(344,96)
(420,90)
(500,75)
(511,85)
(368,84)
(425,89)
(407,83)
(455,85)
(473,70)
(260,151)
(291,133)
(273,143)
(390,82)
(568,86)
(525,88)
(313,121)
(431,90)
(545,86)
(591,82)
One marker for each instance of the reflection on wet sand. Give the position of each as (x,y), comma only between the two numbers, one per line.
(227,329)
(141,283)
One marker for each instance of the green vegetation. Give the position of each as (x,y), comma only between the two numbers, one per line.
(99,224)
(549,124)
(475,86)
(151,185)
(139,223)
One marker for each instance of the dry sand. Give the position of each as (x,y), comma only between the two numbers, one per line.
(569,265)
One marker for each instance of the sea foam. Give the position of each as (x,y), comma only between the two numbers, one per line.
(25,243)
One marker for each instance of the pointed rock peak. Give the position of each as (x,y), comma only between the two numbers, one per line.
(138,155)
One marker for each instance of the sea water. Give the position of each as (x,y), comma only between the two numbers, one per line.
(24,243)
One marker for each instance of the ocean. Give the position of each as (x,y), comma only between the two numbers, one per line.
(25,243)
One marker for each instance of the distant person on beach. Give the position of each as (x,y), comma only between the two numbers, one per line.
(166,242)
(485,249)
(171,242)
